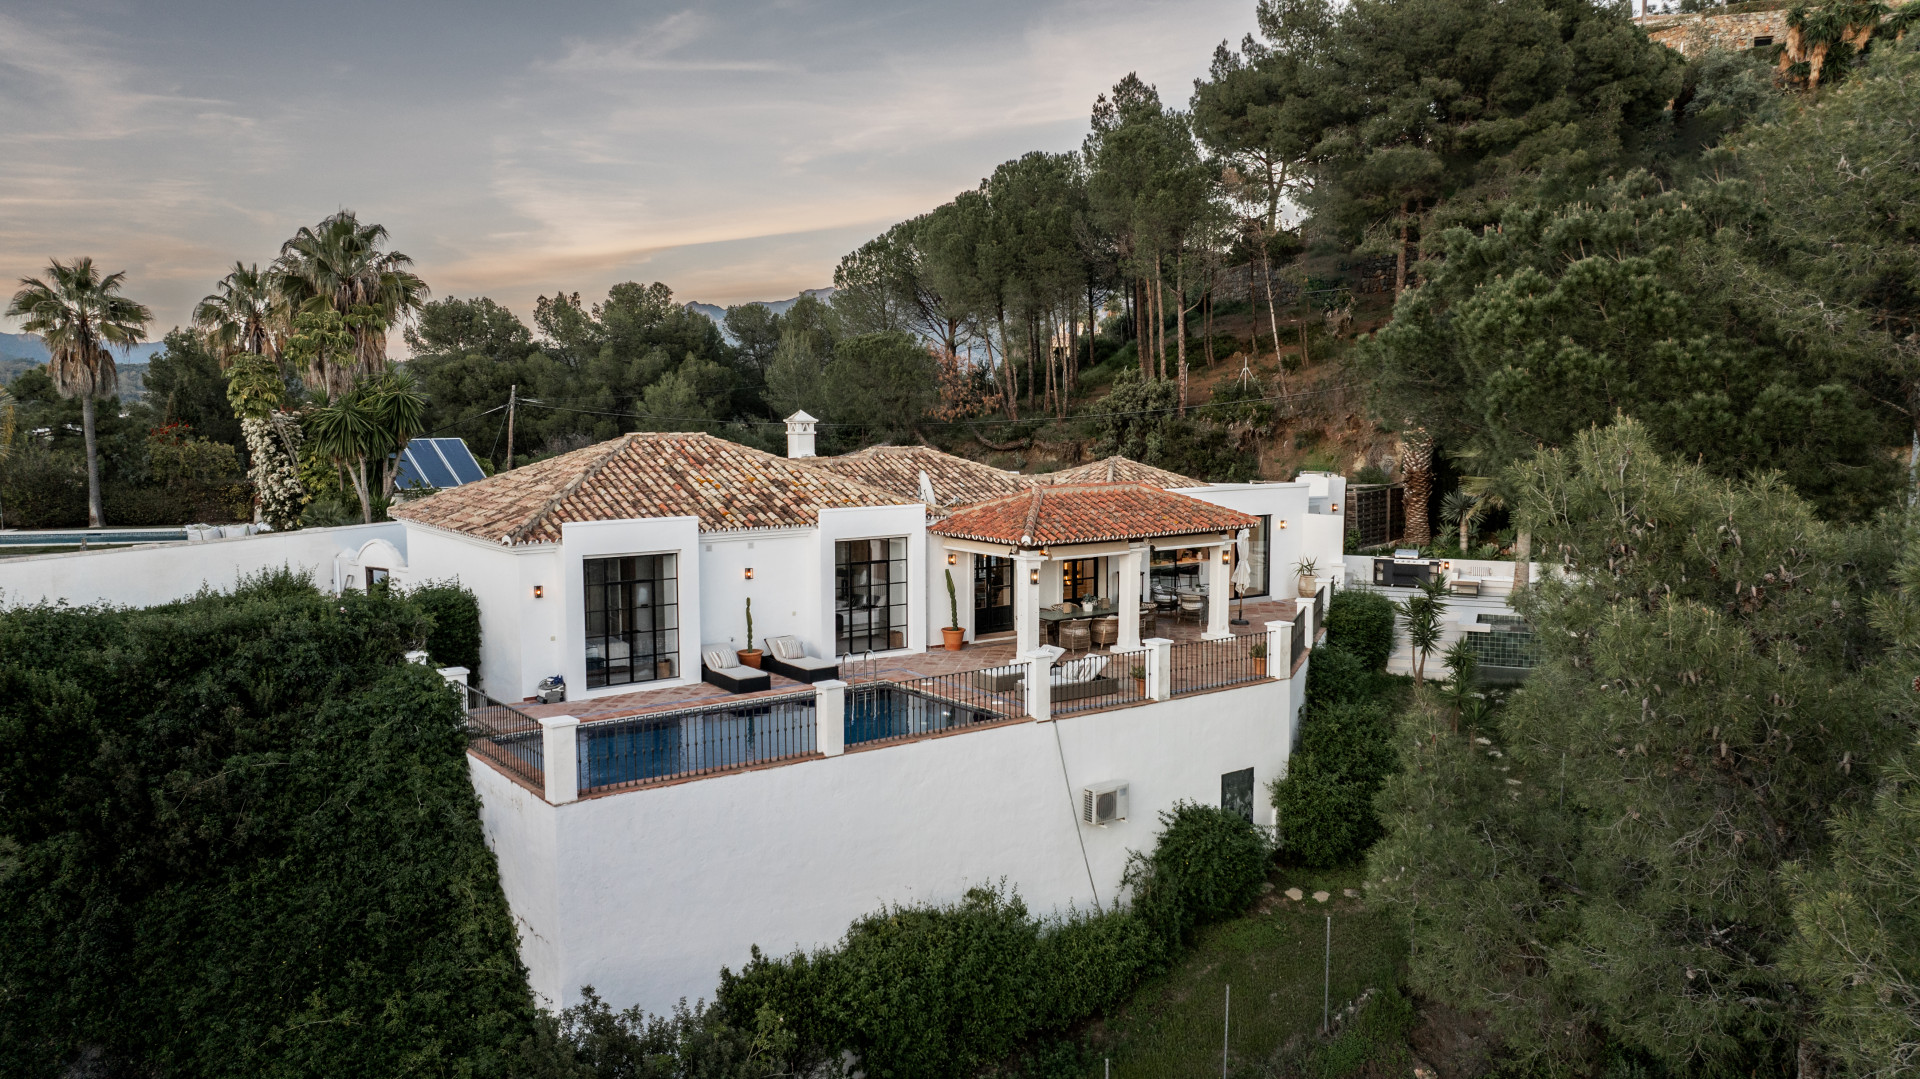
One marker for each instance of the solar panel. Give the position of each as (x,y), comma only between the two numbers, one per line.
(437,462)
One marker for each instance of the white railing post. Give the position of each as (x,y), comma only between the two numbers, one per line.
(1306,623)
(455,676)
(1280,649)
(560,750)
(1159,668)
(830,716)
(1039,684)
(416,656)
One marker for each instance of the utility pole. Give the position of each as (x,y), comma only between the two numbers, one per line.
(513,395)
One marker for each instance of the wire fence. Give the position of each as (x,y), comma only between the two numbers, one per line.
(637,750)
(1204,665)
(506,736)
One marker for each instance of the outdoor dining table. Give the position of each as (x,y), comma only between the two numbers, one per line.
(1052,619)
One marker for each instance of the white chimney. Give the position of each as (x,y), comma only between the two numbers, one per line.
(800,435)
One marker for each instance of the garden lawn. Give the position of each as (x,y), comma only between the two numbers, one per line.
(1272,957)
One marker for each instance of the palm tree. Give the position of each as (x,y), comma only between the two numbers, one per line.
(1416,471)
(373,421)
(240,315)
(79,314)
(339,266)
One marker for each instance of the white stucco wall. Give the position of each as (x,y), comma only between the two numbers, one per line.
(147,575)
(786,588)
(518,635)
(875,522)
(659,888)
(1283,502)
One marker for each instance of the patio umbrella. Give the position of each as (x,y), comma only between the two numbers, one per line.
(1242,573)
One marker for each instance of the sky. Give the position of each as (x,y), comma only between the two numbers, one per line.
(732,150)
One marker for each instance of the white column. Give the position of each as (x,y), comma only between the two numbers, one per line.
(1039,684)
(1129,599)
(560,750)
(1026,601)
(1159,667)
(1279,649)
(830,713)
(1219,595)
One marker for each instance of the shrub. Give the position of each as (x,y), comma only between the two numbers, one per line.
(453,636)
(247,844)
(940,990)
(1324,804)
(1207,864)
(1336,676)
(1363,623)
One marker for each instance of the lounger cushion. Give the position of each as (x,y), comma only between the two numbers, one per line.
(788,648)
(719,658)
(810,663)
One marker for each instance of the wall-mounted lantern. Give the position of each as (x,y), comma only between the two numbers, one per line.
(539,591)
(1033,575)
(1336,507)
(952,559)
(1226,554)
(1282,522)
(749,573)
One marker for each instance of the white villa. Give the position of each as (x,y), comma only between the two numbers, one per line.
(1133,638)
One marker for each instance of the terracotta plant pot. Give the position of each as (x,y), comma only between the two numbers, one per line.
(1259,666)
(1140,686)
(1307,586)
(751,657)
(955,637)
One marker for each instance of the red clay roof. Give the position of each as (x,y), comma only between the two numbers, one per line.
(1091,513)
(1121,470)
(726,485)
(956,480)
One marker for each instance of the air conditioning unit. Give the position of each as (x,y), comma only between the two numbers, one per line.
(1103,803)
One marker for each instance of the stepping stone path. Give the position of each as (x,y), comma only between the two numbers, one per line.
(1321,897)
(1295,894)
(1349,893)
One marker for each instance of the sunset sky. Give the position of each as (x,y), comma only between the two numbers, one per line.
(733,150)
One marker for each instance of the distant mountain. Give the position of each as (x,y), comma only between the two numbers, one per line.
(27,346)
(778,307)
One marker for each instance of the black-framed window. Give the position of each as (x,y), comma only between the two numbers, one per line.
(1080,580)
(1181,569)
(870,595)
(633,619)
(1236,793)
(377,579)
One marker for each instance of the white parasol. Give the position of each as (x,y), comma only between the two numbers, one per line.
(1242,568)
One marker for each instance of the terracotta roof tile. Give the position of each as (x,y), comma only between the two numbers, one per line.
(726,485)
(956,481)
(1122,470)
(1088,513)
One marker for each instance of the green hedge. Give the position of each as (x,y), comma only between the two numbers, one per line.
(1324,805)
(1362,622)
(245,844)
(952,990)
(453,639)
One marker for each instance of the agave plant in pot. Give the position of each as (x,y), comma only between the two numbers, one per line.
(954,636)
(1309,583)
(750,655)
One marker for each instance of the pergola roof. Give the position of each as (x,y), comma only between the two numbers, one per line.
(1092,513)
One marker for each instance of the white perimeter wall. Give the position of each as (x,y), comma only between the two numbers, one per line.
(148,575)
(646,894)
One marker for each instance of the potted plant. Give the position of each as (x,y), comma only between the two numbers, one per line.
(1139,673)
(750,655)
(1307,568)
(956,638)
(1258,653)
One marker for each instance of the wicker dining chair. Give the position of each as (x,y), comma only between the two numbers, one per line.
(1194,606)
(1106,631)
(1075,637)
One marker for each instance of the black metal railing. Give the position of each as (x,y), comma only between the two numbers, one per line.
(1298,639)
(1091,687)
(1320,608)
(505,735)
(894,711)
(1204,665)
(637,750)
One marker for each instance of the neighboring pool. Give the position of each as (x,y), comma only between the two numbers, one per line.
(73,539)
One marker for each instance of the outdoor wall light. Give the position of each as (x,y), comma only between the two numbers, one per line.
(1336,507)
(539,591)
(1033,575)
(952,559)
(749,573)
(1226,555)
(1282,523)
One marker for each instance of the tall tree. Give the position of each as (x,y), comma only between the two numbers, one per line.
(241,314)
(343,266)
(1604,861)
(81,314)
